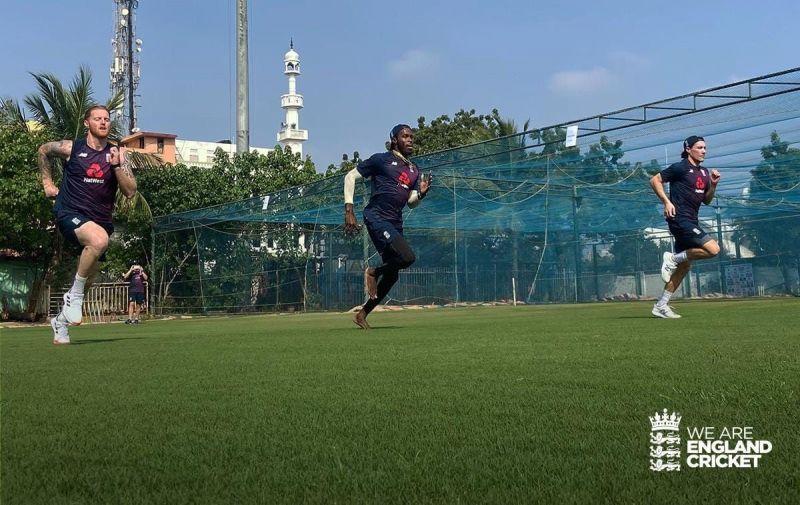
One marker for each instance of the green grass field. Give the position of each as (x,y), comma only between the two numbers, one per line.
(545,404)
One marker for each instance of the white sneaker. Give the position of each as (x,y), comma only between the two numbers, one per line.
(60,332)
(664,311)
(72,309)
(668,266)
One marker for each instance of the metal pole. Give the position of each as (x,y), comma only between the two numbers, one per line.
(242,90)
(199,268)
(594,265)
(455,236)
(131,107)
(722,281)
(576,238)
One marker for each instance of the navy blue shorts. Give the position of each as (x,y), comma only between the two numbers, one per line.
(688,235)
(382,233)
(136,297)
(68,223)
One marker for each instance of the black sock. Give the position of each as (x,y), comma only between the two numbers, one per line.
(388,279)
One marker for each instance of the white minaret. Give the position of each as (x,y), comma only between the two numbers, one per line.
(290,133)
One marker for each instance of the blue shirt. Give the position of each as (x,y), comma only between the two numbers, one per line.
(688,185)
(392,182)
(89,185)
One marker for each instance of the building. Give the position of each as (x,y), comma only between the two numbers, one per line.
(290,133)
(162,144)
(201,154)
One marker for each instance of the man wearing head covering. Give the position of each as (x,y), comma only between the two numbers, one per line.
(396,182)
(690,184)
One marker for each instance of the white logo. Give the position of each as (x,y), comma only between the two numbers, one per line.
(691,170)
(696,231)
(703,171)
(706,446)
(82,155)
(394,163)
(665,442)
(386,234)
(75,220)
(734,447)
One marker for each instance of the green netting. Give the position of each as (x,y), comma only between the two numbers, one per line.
(521,216)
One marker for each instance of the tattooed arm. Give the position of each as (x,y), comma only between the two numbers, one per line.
(122,168)
(59,149)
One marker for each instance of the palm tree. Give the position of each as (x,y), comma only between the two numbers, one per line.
(61,109)
(11,113)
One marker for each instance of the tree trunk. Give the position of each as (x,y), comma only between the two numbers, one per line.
(48,274)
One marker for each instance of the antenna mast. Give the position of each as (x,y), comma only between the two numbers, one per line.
(125,65)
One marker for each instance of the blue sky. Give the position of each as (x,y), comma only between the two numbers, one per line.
(368,65)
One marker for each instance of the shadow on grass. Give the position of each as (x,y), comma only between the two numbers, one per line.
(102,340)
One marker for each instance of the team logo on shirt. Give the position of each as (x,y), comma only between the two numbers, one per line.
(83,155)
(94,174)
(94,170)
(700,185)
(404,180)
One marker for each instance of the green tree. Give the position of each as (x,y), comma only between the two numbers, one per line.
(26,219)
(345,166)
(61,109)
(776,234)
(445,133)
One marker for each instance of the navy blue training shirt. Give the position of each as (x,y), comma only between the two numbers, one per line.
(136,282)
(392,183)
(90,184)
(687,188)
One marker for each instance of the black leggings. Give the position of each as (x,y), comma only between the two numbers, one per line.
(397,256)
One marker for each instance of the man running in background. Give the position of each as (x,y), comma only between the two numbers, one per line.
(690,184)
(396,182)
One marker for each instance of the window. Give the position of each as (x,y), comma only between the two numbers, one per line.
(160,147)
(209,155)
(193,155)
(141,142)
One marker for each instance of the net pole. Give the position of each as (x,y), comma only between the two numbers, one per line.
(199,268)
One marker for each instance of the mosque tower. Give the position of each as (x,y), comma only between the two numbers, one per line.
(290,133)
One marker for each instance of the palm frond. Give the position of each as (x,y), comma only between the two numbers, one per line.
(11,113)
(134,207)
(141,160)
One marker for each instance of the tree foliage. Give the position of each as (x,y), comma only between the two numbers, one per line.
(465,127)
(26,218)
(775,235)
(61,109)
(345,166)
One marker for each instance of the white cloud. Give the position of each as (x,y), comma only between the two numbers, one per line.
(581,81)
(413,63)
(628,58)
